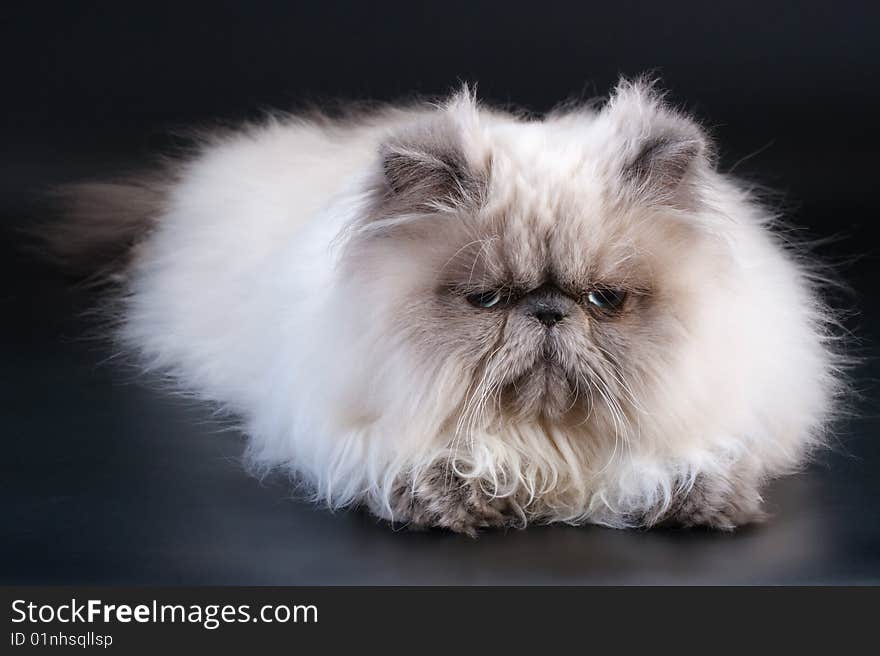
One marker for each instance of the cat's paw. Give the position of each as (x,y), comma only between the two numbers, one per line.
(718,505)
(442,499)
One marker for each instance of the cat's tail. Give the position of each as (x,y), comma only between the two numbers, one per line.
(98,224)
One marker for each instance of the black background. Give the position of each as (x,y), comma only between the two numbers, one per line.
(108,480)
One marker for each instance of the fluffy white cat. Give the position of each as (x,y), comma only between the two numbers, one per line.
(460,317)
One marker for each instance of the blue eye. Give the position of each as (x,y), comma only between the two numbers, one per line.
(485,299)
(607,300)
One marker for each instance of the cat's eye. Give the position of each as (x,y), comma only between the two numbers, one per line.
(485,299)
(607,300)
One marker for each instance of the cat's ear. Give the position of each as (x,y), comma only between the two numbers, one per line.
(434,164)
(661,152)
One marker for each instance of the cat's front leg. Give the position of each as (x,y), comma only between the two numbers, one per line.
(441,498)
(722,503)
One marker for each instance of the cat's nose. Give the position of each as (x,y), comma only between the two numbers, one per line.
(549,316)
(548,305)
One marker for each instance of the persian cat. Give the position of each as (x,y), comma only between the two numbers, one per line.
(459,317)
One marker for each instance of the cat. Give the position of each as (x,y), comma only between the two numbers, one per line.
(460,317)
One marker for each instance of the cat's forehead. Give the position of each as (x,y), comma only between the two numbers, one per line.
(550,158)
(568,250)
(548,209)
(527,201)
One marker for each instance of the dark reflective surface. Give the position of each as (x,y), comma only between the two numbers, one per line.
(106,479)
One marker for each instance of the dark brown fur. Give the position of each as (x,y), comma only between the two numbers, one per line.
(102,222)
(718,504)
(440,498)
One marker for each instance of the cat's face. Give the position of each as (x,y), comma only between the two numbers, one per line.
(543,328)
(548,275)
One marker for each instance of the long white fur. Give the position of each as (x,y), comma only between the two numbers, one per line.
(237,294)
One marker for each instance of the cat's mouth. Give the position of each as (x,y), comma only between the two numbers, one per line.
(541,385)
(544,391)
